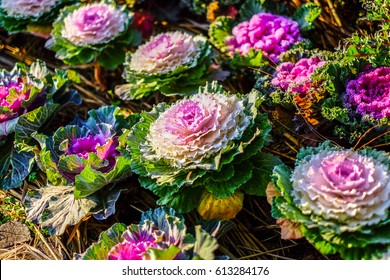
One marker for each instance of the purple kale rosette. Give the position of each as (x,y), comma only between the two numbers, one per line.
(261,35)
(368,94)
(87,153)
(160,235)
(295,78)
(271,34)
(29,98)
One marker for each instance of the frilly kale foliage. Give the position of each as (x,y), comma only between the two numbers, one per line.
(30,96)
(362,235)
(160,235)
(179,181)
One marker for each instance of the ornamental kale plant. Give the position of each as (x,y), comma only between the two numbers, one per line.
(86,154)
(355,98)
(170,62)
(295,78)
(160,235)
(261,36)
(84,164)
(35,16)
(266,32)
(291,85)
(29,97)
(208,142)
(339,198)
(330,92)
(95,32)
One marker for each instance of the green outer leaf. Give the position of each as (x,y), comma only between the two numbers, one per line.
(49,166)
(167,254)
(55,208)
(242,173)
(7,127)
(138,135)
(226,173)
(107,240)
(320,244)
(250,8)
(205,245)
(114,55)
(281,178)
(72,165)
(183,200)
(263,165)
(32,121)
(254,58)
(305,16)
(17,166)
(160,190)
(219,31)
(91,180)
(105,202)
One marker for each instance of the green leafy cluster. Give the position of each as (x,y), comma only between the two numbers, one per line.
(171,235)
(20,23)
(333,78)
(374,45)
(108,55)
(368,242)
(184,79)
(238,166)
(48,93)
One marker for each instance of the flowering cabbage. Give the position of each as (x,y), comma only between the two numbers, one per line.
(261,36)
(94,32)
(292,85)
(23,15)
(350,103)
(172,62)
(340,198)
(87,154)
(160,235)
(29,97)
(369,93)
(295,78)
(266,32)
(207,141)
